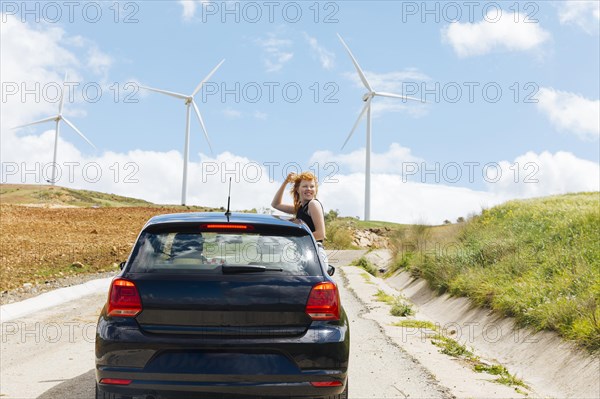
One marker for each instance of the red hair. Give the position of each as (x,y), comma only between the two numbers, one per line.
(297,179)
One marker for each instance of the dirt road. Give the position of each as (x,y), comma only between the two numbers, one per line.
(50,354)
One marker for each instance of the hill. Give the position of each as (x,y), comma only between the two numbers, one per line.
(60,196)
(537,260)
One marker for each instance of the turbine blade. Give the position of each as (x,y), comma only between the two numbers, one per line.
(78,132)
(168,93)
(203,127)
(367,105)
(358,68)
(384,94)
(207,77)
(62,95)
(49,119)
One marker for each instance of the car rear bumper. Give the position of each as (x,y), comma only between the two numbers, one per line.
(165,365)
(198,385)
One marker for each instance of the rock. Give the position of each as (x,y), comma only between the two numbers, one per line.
(369,239)
(77,265)
(94,231)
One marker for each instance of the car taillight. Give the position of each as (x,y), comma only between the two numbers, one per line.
(326,383)
(115,381)
(227,226)
(324,302)
(124,299)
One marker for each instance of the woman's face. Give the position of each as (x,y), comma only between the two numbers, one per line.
(307,190)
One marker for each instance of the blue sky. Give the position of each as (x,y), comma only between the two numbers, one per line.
(512,94)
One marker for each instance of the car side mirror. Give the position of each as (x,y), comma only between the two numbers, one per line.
(330,270)
(122,265)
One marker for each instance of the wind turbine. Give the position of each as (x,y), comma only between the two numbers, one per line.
(57,118)
(189,100)
(367,98)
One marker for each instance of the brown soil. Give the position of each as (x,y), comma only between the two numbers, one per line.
(41,245)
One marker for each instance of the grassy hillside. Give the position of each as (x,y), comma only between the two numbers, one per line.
(55,195)
(537,260)
(340,230)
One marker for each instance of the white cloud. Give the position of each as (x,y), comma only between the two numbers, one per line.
(411,199)
(260,115)
(396,81)
(232,113)
(584,14)
(534,175)
(189,8)
(494,33)
(326,57)
(403,202)
(24,66)
(382,106)
(387,162)
(150,175)
(276,53)
(156,176)
(570,112)
(98,61)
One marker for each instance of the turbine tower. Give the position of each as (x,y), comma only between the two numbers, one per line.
(57,118)
(189,101)
(367,98)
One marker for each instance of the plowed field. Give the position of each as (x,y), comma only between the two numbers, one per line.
(38,244)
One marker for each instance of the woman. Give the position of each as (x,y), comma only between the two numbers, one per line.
(306,205)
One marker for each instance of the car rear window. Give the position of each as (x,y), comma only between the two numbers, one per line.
(207,252)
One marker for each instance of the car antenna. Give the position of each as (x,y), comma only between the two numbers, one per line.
(228,212)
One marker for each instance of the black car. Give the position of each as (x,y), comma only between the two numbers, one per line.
(195,314)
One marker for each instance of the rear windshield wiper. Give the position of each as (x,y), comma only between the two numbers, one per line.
(229,269)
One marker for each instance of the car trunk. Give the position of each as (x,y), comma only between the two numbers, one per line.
(243,305)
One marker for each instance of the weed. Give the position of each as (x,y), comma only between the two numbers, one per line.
(401,308)
(451,347)
(365,264)
(416,324)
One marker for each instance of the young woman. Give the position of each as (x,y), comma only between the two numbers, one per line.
(306,205)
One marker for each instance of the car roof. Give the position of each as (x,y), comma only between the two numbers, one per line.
(220,217)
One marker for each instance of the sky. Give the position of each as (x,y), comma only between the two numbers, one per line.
(510,96)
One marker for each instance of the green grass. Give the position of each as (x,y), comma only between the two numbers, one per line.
(451,347)
(340,230)
(365,264)
(367,277)
(416,324)
(505,377)
(537,260)
(382,296)
(339,234)
(400,307)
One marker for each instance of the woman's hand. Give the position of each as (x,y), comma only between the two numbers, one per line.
(291,177)
(278,198)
